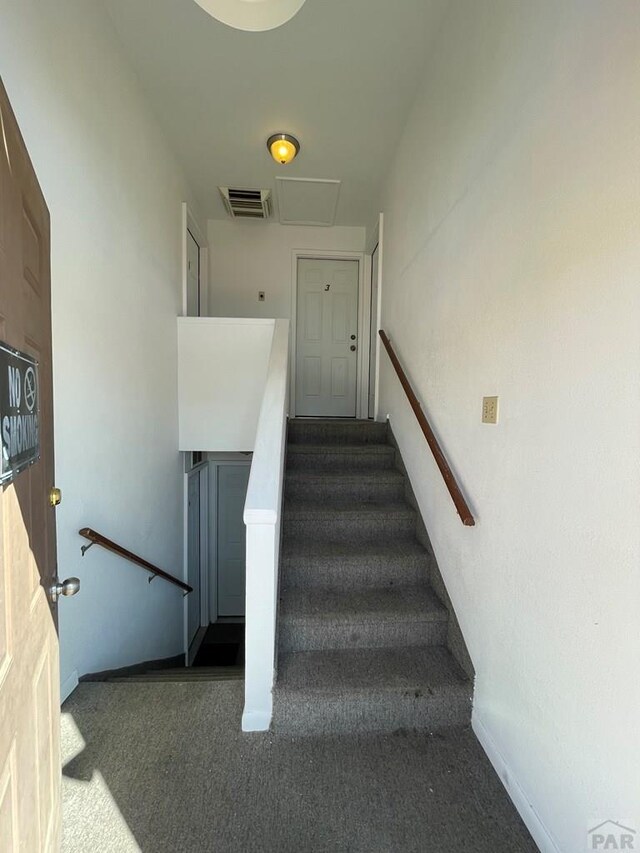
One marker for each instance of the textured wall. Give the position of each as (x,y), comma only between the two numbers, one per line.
(114,192)
(511,260)
(245,257)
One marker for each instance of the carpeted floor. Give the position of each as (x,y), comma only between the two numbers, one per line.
(164,767)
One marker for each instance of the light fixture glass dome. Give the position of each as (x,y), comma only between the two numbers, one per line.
(252,15)
(283,147)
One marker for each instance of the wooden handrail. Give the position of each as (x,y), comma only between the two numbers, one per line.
(99,539)
(447,474)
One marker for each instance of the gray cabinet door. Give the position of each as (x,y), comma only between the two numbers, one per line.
(231,538)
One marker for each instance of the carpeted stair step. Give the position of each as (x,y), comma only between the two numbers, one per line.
(348,565)
(333,457)
(364,619)
(326,431)
(385,485)
(361,635)
(370,690)
(192,673)
(336,522)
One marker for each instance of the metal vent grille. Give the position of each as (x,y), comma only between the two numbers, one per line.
(246,204)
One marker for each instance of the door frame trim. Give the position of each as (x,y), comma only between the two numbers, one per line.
(191,649)
(208,469)
(376,241)
(190,224)
(362,364)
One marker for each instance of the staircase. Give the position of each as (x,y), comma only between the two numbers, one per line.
(362,635)
(181,673)
(168,669)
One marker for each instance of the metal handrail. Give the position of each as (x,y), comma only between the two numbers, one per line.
(99,539)
(447,474)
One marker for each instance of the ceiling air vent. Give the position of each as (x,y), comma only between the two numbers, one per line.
(246,204)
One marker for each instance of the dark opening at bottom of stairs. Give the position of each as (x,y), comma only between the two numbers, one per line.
(223,645)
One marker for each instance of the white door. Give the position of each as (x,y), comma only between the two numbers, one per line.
(193,276)
(373,341)
(327,338)
(231,538)
(193,554)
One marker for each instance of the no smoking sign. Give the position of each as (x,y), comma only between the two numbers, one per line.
(19,412)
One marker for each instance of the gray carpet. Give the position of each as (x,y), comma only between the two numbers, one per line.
(362,636)
(164,767)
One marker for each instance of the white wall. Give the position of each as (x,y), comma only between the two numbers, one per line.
(114,192)
(245,257)
(222,370)
(512,251)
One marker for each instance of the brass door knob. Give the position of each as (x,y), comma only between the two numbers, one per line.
(55,496)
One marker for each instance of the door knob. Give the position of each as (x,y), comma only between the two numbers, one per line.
(353,337)
(352,348)
(55,496)
(66,587)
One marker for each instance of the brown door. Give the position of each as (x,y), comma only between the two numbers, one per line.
(29,687)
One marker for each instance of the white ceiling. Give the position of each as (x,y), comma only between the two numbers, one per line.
(341,76)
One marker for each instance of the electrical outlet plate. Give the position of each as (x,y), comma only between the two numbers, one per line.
(489,410)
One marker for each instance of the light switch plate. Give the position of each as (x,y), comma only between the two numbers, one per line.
(261,296)
(489,410)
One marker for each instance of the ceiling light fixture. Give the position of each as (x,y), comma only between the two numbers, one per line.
(252,15)
(283,147)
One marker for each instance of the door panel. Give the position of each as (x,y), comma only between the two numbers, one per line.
(327,318)
(8,802)
(340,318)
(312,368)
(339,377)
(313,317)
(231,538)
(45,760)
(29,667)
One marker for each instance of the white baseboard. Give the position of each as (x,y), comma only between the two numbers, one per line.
(68,686)
(525,809)
(256,721)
